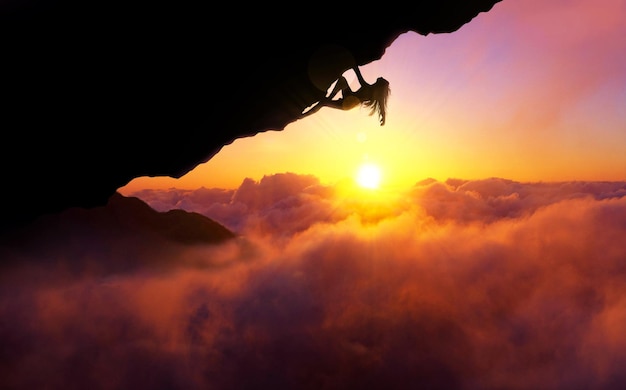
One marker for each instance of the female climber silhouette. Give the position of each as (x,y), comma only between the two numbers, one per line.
(371,96)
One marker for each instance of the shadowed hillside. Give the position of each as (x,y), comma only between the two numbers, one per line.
(122,235)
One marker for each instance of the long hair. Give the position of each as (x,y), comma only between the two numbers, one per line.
(380,92)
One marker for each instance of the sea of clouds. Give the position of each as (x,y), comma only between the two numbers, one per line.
(481,284)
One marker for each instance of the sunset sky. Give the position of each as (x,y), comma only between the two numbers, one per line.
(511,94)
(491,256)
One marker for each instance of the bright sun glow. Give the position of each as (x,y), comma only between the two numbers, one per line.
(368,176)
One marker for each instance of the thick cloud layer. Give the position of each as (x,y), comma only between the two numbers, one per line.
(460,285)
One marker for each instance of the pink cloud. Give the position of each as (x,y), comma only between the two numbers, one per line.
(488,284)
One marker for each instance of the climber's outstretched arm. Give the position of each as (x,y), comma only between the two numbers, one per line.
(359,76)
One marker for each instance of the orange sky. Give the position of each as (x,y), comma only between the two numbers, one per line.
(478,283)
(511,94)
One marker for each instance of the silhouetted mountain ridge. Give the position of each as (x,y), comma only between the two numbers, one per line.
(174,225)
(121,235)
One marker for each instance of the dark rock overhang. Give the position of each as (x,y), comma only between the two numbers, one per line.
(97,93)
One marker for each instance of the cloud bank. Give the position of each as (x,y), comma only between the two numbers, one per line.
(460,284)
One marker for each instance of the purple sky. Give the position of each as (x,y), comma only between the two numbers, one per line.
(531,90)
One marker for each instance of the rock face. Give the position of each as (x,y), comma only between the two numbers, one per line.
(95,94)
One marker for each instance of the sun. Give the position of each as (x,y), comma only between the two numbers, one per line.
(369,176)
